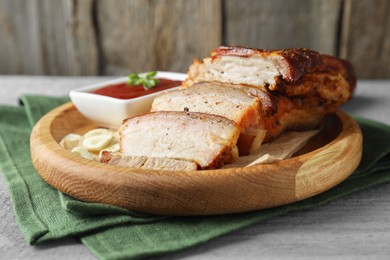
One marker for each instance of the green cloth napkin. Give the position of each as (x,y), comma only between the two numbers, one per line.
(109,232)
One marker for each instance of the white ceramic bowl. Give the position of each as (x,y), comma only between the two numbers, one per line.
(110,112)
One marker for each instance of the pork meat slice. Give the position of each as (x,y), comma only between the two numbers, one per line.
(205,139)
(256,67)
(149,163)
(231,102)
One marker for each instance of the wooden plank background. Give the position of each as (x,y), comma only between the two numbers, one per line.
(102,37)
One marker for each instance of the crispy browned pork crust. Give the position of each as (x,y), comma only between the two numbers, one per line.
(297,87)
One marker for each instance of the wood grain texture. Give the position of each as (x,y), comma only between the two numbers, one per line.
(47,37)
(365,39)
(91,37)
(157,35)
(19,45)
(283,24)
(190,193)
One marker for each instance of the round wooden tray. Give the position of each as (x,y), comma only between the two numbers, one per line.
(328,159)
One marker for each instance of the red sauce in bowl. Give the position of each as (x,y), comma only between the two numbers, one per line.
(124,91)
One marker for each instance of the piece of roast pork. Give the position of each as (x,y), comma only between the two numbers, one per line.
(205,139)
(230,102)
(256,67)
(297,87)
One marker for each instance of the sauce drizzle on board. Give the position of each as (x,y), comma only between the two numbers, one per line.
(124,91)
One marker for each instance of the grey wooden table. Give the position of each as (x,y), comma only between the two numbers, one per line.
(353,227)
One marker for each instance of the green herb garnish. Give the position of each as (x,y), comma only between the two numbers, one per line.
(147,80)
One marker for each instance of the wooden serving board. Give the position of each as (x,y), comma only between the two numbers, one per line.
(327,160)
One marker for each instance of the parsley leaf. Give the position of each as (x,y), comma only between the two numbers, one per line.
(147,80)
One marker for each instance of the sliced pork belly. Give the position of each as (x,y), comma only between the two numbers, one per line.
(205,139)
(297,87)
(256,67)
(231,102)
(267,103)
(150,163)
(235,103)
